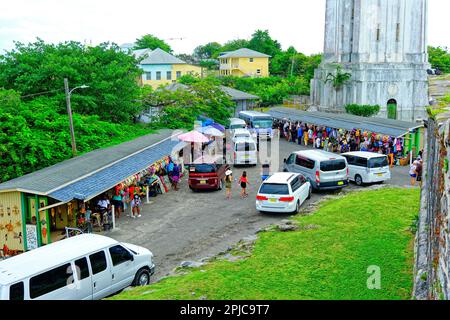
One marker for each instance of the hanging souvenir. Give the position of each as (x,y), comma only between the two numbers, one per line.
(8,211)
(9,227)
(2,210)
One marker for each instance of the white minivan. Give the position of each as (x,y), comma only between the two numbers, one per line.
(236,123)
(84,267)
(367,167)
(283,192)
(241,133)
(245,152)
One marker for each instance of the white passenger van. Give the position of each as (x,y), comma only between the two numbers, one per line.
(367,167)
(245,152)
(236,123)
(241,133)
(84,267)
(325,170)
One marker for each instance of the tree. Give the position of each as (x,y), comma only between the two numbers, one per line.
(38,68)
(262,42)
(208,51)
(439,58)
(149,41)
(338,79)
(233,45)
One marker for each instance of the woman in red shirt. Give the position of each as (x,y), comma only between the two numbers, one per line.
(243,180)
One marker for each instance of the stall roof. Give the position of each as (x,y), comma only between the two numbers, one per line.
(88,175)
(394,128)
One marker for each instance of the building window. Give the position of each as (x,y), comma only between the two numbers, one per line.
(258,71)
(378,33)
(158,75)
(178,74)
(148,76)
(251,59)
(169,75)
(397,34)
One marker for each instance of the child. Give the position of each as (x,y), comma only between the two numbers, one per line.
(136,206)
(228,183)
(243,180)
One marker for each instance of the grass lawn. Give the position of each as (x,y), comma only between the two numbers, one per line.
(362,229)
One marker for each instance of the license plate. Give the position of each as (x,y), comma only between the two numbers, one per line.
(340,183)
(247,156)
(202,181)
(273,200)
(380,174)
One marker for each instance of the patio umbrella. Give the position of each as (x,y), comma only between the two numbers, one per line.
(193,137)
(210,131)
(218,127)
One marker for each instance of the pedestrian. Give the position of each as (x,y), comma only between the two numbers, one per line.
(300,134)
(228,183)
(175,177)
(136,206)
(419,169)
(413,172)
(243,180)
(117,201)
(305,136)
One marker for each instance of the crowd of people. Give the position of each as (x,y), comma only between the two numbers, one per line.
(340,140)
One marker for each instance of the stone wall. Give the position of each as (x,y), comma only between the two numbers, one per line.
(432,248)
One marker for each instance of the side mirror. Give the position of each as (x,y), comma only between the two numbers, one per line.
(285,160)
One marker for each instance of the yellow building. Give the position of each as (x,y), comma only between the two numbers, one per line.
(244,63)
(162,68)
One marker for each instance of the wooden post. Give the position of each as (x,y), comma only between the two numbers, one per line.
(113,217)
(147,193)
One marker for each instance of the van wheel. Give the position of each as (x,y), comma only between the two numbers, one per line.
(309,193)
(297,207)
(358,180)
(142,278)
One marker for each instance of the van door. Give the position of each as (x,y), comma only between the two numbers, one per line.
(290,162)
(333,173)
(306,167)
(83,280)
(101,275)
(123,270)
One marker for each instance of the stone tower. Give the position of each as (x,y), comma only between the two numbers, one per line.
(383,45)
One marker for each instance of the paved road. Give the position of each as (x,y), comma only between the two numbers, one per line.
(183,225)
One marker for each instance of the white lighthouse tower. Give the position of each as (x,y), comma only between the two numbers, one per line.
(383,45)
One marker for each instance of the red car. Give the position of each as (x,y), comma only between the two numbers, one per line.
(207,173)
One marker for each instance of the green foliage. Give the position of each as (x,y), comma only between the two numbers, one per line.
(180,108)
(261,41)
(207,51)
(362,110)
(338,79)
(327,259)
(439,58)
(110,74)
(33,135)
(149,41)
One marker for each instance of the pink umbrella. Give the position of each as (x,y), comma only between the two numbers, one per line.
(193,136)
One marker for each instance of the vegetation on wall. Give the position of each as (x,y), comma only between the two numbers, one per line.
(362,110)
(339,78)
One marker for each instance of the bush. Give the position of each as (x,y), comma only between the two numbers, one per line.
(362,110)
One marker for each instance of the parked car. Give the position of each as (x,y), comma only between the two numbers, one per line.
(245,152)
(367,167)
(325,170)
(207,173)
(236,123)
(283,192)
(84,267)
(241,133)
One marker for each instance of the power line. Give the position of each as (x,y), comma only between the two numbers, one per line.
(40,93)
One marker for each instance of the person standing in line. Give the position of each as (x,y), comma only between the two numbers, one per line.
(175,177)
(228,183)
(243,180)
(300,134)
(117,201)
(305,135)
(419,169)
(136,206)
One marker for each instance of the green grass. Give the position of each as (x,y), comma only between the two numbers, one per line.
(362,229)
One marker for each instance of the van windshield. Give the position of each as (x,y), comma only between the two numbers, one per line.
(262,124)
(245,146)
(202,168)
(237,126)
(332,165)
(378,162)
(273,188)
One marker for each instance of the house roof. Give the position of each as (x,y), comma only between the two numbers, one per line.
(159,56)
(94,172)
(141,53)
(244,53)
(394,128)
(233,93)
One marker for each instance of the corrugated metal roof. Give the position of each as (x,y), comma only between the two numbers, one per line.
(237,94)
(244,53)
(46,180)
(159,56)
(107,178)
(394,128)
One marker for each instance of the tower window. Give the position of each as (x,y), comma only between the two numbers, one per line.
(378,33)
(397,33)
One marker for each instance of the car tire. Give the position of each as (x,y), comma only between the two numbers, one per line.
(297,207)
(142,278)
(358,180)
(309,193)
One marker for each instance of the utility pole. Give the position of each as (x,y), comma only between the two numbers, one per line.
(69,111)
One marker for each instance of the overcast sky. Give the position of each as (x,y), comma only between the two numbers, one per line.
(292,22)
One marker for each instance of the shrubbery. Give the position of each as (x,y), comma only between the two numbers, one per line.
(362,110)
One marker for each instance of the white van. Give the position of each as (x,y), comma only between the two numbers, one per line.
(367,167)
(84,267)
(245,152)
(241,134)
(236,123)
(325,170)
